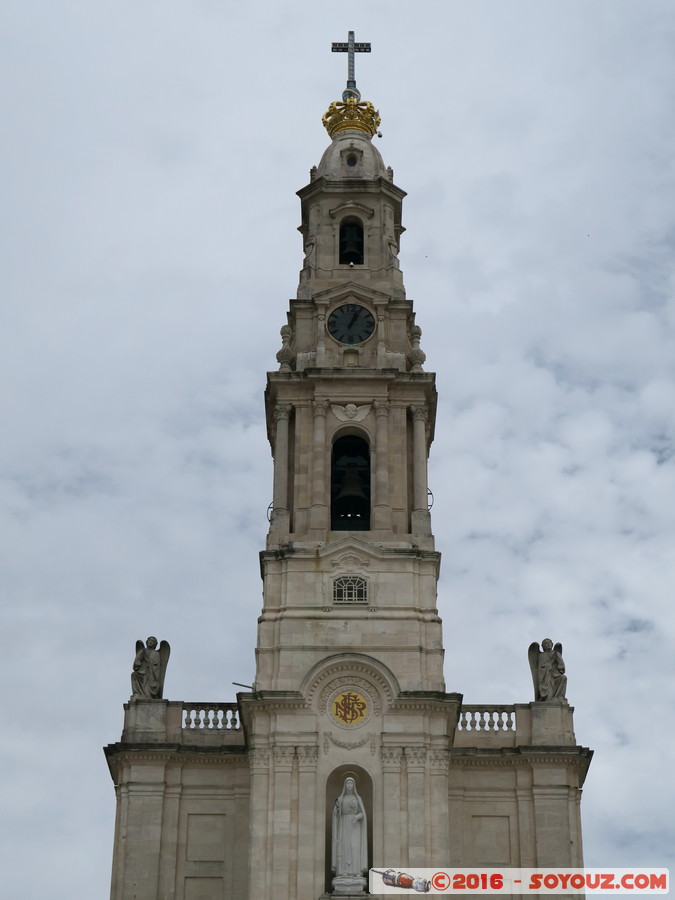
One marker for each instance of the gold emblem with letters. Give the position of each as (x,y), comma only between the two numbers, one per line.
(349,708)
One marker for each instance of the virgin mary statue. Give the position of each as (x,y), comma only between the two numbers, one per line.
(350,844)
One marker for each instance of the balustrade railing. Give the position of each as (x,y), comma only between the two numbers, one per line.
(211,716)
(487,718)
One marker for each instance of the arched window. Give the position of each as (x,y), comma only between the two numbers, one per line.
(351,242)
(350,589)
(350,484)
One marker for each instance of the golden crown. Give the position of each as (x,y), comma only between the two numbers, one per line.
(350,114)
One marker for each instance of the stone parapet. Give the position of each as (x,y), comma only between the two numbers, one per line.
(196,724)
(520,724)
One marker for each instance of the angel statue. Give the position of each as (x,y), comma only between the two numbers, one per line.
(350,843)
(548,670)
(147,678)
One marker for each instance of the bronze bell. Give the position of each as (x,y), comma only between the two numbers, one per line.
(351,244)
(352,486)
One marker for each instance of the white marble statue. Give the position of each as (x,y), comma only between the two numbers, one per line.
(350,842)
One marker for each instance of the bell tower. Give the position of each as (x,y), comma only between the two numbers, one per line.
(350,418)
(346,753)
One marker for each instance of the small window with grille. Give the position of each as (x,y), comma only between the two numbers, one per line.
(350,589)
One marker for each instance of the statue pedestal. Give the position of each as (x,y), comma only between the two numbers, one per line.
(345,885)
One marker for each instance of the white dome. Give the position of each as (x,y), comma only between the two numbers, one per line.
(365,162)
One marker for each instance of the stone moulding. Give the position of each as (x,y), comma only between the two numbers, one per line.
(353,667)
(174,753)
(349,745)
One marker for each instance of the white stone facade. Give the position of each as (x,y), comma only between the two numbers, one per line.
(219,801)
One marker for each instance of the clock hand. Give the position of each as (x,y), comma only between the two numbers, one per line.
(353,319)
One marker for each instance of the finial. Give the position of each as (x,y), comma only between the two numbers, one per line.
(352,113)
(350,48)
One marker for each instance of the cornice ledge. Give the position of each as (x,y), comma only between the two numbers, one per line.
(520,756)
(271,701)
(437,701)
(123,752)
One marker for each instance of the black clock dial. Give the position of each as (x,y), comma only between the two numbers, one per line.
(351,323)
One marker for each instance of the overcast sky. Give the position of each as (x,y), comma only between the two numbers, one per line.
(153,150)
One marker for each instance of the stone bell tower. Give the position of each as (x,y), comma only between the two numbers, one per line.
(349,652)
(223,800)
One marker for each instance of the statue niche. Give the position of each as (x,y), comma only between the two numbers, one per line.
(349,857)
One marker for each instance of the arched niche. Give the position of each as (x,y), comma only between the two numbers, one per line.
(351,241)
(334,785)
(350,484)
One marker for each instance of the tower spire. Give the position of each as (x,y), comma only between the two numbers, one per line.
(351,114)
(350,48)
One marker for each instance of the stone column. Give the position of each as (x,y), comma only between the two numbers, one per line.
(381,341)
(393,847)
(439,811)
(421,520)
(415,758)
(259,762)
(318,514)
(321,338)
(280,515)
(552,819)
(143,833)
(169,848)
(382,504)
(281,822)
(307,761)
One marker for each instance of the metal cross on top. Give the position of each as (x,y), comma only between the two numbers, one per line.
(350,47)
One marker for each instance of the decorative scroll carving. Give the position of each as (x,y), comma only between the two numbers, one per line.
(439,759)
(348,745)
(284,756)
(259,758)
(391,756)
(282,411)
(350,561)
(308,756)
(415,756)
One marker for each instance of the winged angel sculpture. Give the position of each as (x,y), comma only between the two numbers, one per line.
(548,670)
(147,678)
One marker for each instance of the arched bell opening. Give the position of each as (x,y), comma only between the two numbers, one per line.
(350,484)
(351,242)
(335,789)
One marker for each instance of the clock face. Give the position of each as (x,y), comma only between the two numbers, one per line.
(351,323)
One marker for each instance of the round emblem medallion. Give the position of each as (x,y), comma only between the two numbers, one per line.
(349,708)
